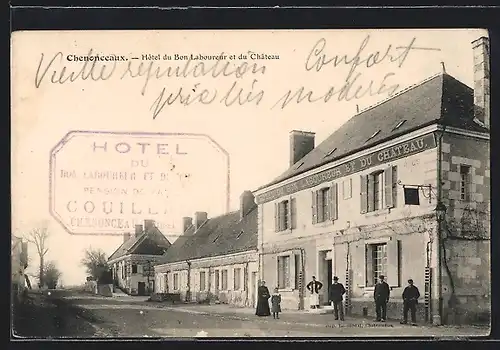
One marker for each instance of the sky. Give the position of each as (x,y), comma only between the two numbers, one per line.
(254,135)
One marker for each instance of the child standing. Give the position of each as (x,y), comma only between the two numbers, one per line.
(275,303)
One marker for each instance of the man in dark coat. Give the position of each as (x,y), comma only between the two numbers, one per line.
(381,296)
(314,287)
(263,300)
(337,291)
(410,301)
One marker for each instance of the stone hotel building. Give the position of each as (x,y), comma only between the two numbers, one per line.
(401,189)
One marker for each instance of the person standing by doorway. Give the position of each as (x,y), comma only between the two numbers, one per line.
(381,296)
(263,300)
(314,287)
(410,301)
(337,292)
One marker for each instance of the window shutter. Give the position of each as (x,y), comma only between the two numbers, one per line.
(369,281)
(276,217)
(279,272)
(293,213)
(364,194)
(394,186)
(282,216)
(393,266)
(371,190)
(293,271)
(320,205)
(388,187)
(314,207)
(334,214)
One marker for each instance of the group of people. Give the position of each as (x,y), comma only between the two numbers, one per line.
(381,296)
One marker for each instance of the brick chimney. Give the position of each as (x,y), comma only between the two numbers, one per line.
(199,218)
(138,230)
(301,143)
(126,236)
(149,225)
(247,203)
(481,51)
(186,223)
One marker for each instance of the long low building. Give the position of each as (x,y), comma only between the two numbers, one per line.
(215,259)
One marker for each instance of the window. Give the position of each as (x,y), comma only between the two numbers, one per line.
(224,280)
(134,268)
(202,281)
(376,262)
(176,281)
(165,282)
(373,135)
(379,189)
(330,153)
(141,269)
(465,183)
(398,125)
(347,188)
(285,215)
(284,272)
(383,259)
(324,206)
(237,279)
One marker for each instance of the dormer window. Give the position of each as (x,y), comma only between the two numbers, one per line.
(399,124)
(373,135)
(330,153)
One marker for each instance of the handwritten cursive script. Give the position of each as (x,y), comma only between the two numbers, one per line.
(350,90)
(89,70)
(317,59)
(219,68)
(235,95)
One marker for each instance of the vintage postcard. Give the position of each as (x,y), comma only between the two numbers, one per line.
(252,183)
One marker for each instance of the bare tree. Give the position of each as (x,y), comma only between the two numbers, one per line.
(95,262)
(38,237)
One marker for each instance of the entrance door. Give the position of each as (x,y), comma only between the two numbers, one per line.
(141,288)
(329,279)
(254,288)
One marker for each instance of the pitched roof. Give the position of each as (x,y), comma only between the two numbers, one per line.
(440,99)
(153,238)
(224,234)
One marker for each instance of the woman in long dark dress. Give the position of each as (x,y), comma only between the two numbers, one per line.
(263,301)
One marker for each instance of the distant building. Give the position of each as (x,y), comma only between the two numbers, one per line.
(215,260)
(19,257)
(132,263)
(342,207)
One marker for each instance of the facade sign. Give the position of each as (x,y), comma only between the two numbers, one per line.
(385,155)
(106,183)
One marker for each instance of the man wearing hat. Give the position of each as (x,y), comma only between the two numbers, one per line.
(381,296)
(410,301)
(337,291)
